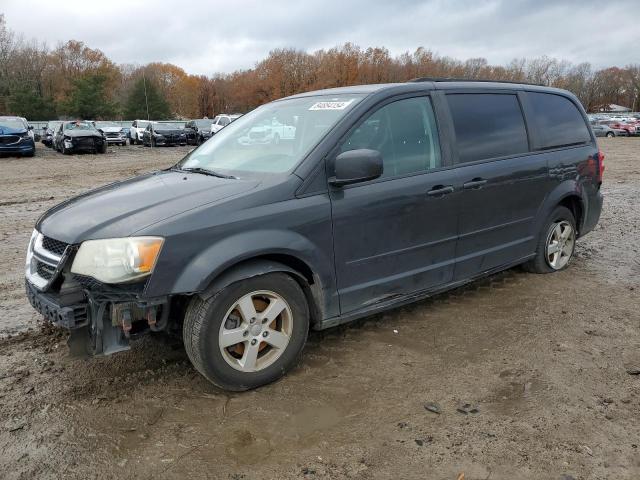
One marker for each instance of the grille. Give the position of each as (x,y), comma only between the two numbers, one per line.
(54,246)
(8,139)
(112,135)
(45,271)
(85,142)
(87,282)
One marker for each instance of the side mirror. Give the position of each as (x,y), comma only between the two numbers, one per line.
(30,127)
(356,166)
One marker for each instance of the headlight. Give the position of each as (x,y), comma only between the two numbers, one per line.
(117,260)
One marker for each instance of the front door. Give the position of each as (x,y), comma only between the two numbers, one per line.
(395,235)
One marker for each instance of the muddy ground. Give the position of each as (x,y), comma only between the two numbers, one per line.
(548,360)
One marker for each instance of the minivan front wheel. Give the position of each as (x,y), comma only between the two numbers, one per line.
(250,333)
(556,243)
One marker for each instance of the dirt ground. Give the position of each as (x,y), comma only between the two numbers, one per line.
(549,361)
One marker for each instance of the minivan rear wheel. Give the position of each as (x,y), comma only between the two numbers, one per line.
(556,243)
(248,334)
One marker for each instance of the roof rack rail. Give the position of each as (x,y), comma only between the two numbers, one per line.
(446,79)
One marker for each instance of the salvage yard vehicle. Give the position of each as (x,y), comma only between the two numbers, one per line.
(75,137)
(221,121)
(198,131)
(137,130)
(164,134)
(387,194)
(270,131)
(16,137)
(112,132)
(49,133)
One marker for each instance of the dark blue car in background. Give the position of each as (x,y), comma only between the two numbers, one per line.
(15,138)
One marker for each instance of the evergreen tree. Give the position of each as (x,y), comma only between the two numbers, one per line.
(137,104)
(89,100)
(28,103)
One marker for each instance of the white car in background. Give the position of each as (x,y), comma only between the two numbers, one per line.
(268,132)
(136,130)
(221,121)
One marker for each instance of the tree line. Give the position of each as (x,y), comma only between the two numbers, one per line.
(73,80)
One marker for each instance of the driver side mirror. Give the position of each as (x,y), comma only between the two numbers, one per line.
(356,166)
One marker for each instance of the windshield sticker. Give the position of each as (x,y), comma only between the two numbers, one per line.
(331,105)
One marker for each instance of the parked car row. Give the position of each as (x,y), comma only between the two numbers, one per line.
(615,126)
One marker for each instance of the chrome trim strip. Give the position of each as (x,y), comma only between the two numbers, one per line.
(37,253)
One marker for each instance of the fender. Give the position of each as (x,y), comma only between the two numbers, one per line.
(215,266)
(567,188)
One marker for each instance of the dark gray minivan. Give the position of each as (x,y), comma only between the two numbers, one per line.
(315,210)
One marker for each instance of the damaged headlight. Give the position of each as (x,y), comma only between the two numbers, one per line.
(117,260)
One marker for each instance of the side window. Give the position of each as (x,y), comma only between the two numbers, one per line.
(224,121)
(487,125)
(404,132)
(558,119)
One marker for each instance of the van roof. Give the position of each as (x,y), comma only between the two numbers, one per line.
(427,83)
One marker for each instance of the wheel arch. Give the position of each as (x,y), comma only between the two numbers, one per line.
(568,194)
(289,264)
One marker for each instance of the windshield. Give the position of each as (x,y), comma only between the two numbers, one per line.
(204,123)
(168,126)
(79,126)
(53,125)
(142,123)
(106,124)
(13,123)
(273,138)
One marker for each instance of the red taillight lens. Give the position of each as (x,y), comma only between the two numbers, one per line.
(600,159)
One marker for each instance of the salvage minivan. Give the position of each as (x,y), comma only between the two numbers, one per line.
(383,195)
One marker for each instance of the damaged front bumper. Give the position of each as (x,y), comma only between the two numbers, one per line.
(100,322)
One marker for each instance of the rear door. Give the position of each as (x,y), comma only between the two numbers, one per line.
(395,235)
(503,185)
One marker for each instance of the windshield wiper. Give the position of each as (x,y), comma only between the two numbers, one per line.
(205,171)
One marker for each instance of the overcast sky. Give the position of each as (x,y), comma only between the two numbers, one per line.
(221,36)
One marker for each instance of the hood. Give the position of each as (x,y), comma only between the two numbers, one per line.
(4,130)
(82,133)
(123,208)
(172,131)
(111,129)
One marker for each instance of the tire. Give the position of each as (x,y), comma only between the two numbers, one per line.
(64,151)
(32,153)
(542,262)
(206,320)
(610,134)
(104,148)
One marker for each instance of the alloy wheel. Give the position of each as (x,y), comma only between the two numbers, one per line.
(560,243)
(255,331)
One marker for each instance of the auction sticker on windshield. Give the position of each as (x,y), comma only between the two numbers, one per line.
(331,105)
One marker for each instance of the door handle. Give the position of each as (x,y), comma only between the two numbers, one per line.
(475,183)
(439,190)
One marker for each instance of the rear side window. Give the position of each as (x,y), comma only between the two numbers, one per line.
(487,125)
(404,132)
(559,120)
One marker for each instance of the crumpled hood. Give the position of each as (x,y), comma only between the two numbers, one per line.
(123,208)
(81,133)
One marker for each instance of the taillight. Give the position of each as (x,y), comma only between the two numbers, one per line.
(600,160)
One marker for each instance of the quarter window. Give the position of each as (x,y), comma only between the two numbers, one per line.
(487,126)
(559,120)
(404,132)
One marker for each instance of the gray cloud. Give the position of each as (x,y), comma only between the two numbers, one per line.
(221,36)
